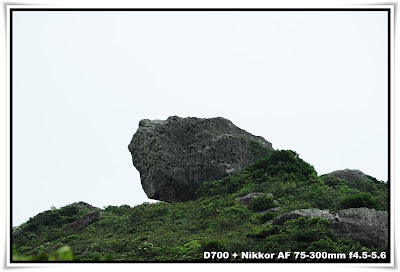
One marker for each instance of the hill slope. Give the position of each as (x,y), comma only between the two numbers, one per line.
(217,221)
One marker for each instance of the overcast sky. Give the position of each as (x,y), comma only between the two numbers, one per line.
(314,82)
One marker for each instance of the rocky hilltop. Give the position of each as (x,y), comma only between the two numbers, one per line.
(277,204)
(348,174)
(175,156)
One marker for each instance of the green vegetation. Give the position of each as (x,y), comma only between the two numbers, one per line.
(262,203)
(360,200)
(216,221)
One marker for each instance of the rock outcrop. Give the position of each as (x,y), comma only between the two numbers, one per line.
(309,213)
(348,174)
(175,156)
(367,226)
(84,221)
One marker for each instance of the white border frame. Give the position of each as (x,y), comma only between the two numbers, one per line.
(210,4)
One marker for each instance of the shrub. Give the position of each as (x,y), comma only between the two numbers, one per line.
(358,201)
(237,212)
(267,216)
(284,161)
(258,150)
(47,218)
(69,210)
(214,245)
(265,231)
(262,203)
(190,250)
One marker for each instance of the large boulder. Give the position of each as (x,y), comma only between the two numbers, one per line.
(349,174)
(367,226)
(175,156)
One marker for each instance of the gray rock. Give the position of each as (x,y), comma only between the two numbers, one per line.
(309,213)
(367,226)
(348,174)
(175,156)
(245,200)
(84,221)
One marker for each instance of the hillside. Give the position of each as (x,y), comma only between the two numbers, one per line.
(219,219)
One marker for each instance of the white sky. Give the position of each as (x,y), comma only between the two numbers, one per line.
(313,82)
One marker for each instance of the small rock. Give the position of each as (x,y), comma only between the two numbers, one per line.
(276,209)
(84,221)
(245,200)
